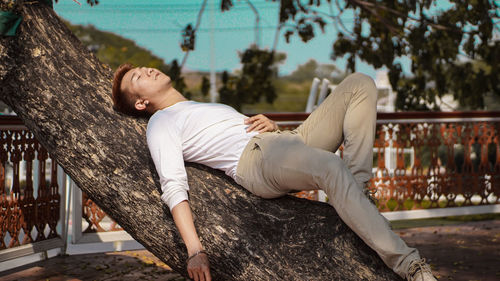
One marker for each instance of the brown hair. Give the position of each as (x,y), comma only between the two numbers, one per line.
(122,101)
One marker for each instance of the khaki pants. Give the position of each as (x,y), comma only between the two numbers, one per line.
(276,163)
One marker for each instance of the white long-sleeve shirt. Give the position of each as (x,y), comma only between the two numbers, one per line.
(207,133)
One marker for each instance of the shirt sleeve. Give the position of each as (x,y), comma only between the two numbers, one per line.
(165,146)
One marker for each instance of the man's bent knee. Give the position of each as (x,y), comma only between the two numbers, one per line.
(362,78)
(365,83)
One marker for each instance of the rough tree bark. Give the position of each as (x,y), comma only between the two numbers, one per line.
(62,92)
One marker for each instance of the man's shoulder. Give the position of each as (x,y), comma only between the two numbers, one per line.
(161,118)
(161,123)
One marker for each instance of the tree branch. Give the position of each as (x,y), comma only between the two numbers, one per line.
(257,19)
(198,22)
(363,4)
(277,35)
(338,21)
(371,8)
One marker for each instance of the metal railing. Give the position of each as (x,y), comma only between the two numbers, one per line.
(425,164)
(30,193)
(431,160)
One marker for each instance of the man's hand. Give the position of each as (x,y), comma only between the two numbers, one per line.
(198,268)
(261,124)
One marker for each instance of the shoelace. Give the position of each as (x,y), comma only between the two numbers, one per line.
(370,193)
(418,266)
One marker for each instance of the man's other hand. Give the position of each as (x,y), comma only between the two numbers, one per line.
(198,268)
(261,124)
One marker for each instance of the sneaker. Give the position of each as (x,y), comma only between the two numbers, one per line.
(370,193)
(419,270)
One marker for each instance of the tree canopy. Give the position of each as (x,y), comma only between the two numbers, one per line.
(452,50)
(254,82)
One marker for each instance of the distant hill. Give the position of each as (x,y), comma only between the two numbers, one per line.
(113,49)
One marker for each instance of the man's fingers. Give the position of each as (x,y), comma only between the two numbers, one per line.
(199,268)
(254,124)
(190,273)
(251,119)
(201,275)
(254,118)
(208,277)
(206,269)
(260,123)
(252,128)
(273,125)
(261,127)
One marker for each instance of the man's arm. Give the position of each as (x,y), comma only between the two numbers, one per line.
(198,266)
(166,150)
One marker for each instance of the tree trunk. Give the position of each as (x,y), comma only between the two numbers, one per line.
(62,92)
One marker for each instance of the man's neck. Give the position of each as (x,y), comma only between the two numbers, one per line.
(170,98)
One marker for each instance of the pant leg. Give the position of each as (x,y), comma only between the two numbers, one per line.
(348,114)
(249,172)
(282,162)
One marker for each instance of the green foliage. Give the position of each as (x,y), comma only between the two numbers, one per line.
(300,19)
(442,221)
(9,5)
(451,51)
(205,86)
(225,5)
(254,83)
(188,38)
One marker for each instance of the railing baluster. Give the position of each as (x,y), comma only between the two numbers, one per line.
(42,197)
(495,178)
(54,203)
(4,203)
(13,211)
(28,200)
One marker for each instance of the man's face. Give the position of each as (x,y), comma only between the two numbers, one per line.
(145,83)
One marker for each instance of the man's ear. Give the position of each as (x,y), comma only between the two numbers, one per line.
(141,104)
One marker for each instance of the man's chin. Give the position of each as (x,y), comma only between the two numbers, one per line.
(168,84)
(167,80)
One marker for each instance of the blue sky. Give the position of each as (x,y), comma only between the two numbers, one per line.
(156,25)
